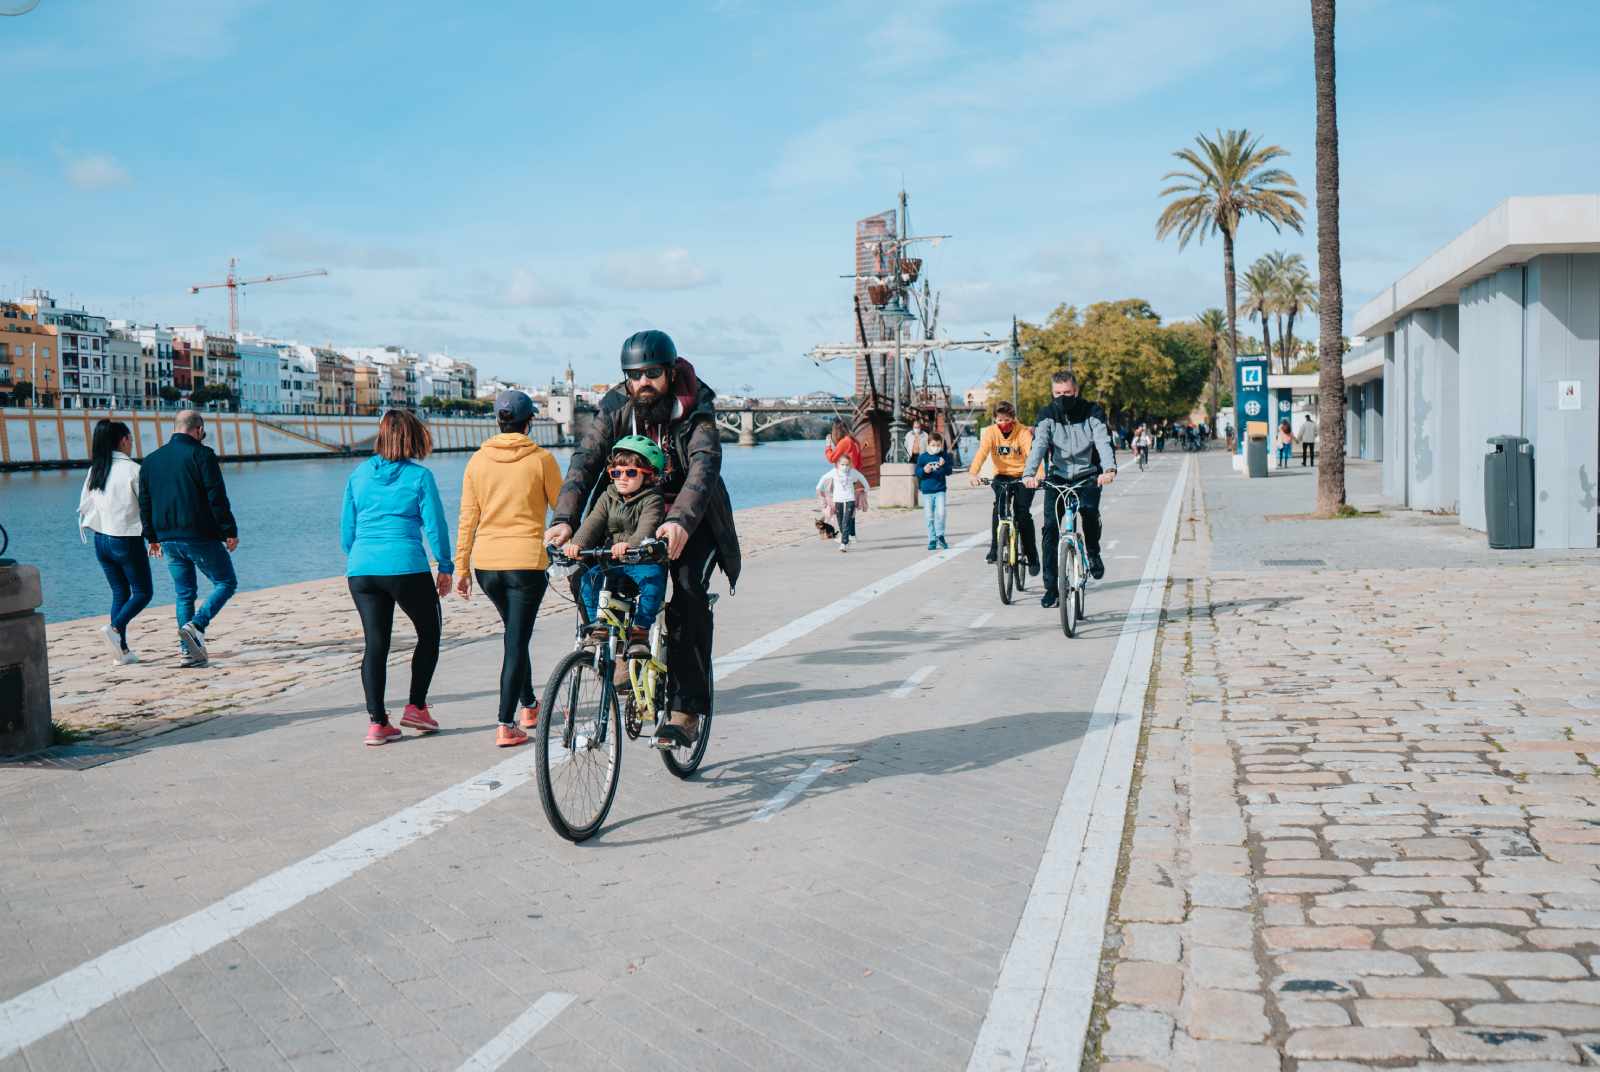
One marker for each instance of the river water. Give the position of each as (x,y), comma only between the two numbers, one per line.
(288,514)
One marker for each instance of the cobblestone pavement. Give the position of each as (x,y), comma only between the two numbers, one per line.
(269,644)
(1368,823)
(862,926)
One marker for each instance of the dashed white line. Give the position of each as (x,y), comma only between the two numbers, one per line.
(793,789)
(917,677)
(504,1046)
(981,620)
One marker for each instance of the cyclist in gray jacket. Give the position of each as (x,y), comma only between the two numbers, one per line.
(1073,431)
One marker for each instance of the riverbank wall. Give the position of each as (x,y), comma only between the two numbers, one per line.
(60,438)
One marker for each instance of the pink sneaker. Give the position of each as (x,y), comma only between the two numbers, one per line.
(377,734)
(419,719)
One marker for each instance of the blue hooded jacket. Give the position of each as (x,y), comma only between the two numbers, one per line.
(387,506)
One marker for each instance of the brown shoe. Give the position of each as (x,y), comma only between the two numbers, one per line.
(687,725)
(529,716)
(638,643)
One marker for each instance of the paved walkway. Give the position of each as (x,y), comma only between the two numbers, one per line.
(842,886)
(1367,827)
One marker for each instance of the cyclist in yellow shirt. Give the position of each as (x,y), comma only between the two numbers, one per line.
(1008,443)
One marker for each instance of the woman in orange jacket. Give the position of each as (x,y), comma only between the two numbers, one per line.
(841,442)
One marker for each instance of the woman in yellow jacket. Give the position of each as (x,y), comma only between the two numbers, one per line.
(1008,443)
(509,486)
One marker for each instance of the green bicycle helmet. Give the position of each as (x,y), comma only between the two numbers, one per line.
(644,448)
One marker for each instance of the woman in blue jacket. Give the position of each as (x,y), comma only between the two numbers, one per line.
(389,502)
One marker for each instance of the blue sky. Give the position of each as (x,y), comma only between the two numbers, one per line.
(525,184)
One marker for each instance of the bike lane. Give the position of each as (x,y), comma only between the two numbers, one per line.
(864,921)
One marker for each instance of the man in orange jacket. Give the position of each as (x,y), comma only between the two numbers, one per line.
(1008,443)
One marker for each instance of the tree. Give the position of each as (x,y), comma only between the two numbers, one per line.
(1259,288)
(1228,179)
(21,393)
(1297,293)
(1213,323)
(1330,386)
(169,393)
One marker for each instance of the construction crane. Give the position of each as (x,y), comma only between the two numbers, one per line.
(233,283)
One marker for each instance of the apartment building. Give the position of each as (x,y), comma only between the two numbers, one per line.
(27,355)
(155,358)
(124,369)
(259,375)
(85,382)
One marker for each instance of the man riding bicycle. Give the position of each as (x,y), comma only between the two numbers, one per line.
(1072,431)
(661,399)
(1008,443)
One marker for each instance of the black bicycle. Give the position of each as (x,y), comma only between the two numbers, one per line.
(596,694)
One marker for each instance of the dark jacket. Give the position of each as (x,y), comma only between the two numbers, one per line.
(1072,440)
(935,479)
(617,520)
(692,485)
(181,494)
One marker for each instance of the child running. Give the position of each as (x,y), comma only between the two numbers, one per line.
(842,491)
(933,472)
(625,515)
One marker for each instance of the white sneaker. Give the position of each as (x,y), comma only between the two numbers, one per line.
(194,643)
(113,641)
(127,658)
(843,548)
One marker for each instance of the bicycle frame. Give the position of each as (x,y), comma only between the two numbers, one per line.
(1068,503)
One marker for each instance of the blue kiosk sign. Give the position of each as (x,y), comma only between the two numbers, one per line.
(1250,399)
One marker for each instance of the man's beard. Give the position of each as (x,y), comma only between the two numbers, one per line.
(651,407)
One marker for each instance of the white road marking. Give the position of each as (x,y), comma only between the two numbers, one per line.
(981,620)
(52,1005)
(917,677)
(504,1046)
(793,789)
(1111,545)
(1039,1011)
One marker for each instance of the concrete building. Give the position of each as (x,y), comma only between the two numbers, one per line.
(258,375)
(124,367)
(27,355)
(397,374)
(368,389)
(81,346)
(1498,333)
(155,359)
(444,377)
(297,378)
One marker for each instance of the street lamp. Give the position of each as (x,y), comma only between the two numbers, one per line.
(895,313)
(1014,362)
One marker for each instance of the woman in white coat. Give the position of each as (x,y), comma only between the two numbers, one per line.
(109,507)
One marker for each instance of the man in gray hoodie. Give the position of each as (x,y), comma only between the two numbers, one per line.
(1072,435)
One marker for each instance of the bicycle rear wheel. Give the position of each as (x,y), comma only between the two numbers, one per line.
(1002,565)
(579,747)
(1065,559)
(685,761)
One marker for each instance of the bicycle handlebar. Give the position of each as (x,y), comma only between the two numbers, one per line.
(649,552)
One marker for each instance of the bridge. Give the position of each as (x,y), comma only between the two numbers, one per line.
(749,418)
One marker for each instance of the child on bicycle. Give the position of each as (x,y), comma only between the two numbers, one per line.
(1142,443)
(625,515)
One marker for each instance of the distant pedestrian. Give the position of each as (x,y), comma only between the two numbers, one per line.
(109,507)
(1308,442)
(841,442)
(916,440)
(842,492)
(184,509)
(1161,438)
(390,503)
(933,470)
(509,488)
(1285,444)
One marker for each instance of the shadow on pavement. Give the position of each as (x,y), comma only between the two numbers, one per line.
(744,785)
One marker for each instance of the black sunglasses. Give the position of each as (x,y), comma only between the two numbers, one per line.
(651,373)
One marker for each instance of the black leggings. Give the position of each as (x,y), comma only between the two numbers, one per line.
(376,597)
(516,594)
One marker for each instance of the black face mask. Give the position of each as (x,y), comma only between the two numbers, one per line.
(1071,409)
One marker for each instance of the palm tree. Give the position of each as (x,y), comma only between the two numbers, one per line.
(1330,386)
(1297,293)
(1260,293)
(1228,179)
(1214,325)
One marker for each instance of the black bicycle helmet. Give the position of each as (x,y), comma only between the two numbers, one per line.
(646,348)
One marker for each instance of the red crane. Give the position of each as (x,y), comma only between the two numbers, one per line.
(233,283)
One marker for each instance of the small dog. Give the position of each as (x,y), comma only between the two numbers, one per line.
(825,530)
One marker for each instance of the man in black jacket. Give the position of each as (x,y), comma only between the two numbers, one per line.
(662,399)
(184,507)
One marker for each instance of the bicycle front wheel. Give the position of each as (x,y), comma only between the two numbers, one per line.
(579,747)
(1003,571)
(1065,559)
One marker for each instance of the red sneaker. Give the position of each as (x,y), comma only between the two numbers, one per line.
(530,716)
(419,719)
(377,734)
(508,736)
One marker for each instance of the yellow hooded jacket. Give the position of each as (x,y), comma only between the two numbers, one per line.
(1010,452)
(509,487)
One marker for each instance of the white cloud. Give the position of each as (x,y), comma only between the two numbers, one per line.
(525,289)
(96,172)
(665,269)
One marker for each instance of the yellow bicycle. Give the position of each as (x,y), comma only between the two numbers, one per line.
(1011,568)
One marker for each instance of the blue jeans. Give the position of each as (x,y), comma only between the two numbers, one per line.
(652,582)
(212,559)
(127,568)
(933,510)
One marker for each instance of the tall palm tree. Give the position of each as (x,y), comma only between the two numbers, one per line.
(1330,385)
(1283,267)
(1297,293)
(1214,326)
(1228,178)
(1260,292)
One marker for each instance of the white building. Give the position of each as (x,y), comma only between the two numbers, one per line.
(445,377)
(397,373)
(81,346)
(124,369)
(155,358)
(297,378)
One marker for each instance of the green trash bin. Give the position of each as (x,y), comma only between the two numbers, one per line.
(1508,492)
